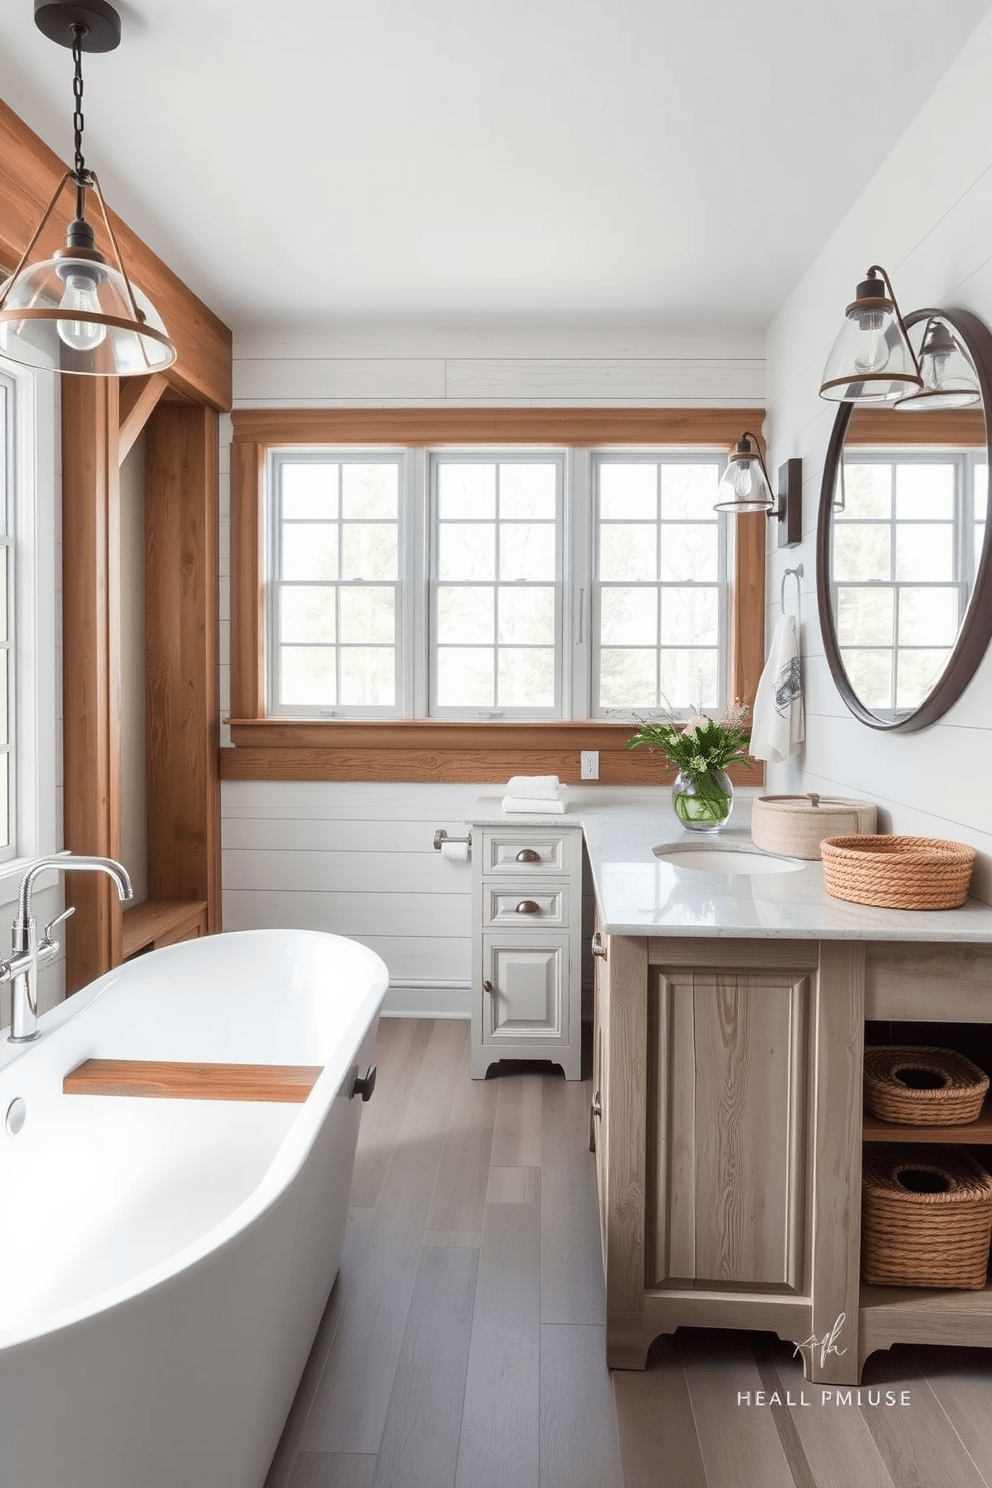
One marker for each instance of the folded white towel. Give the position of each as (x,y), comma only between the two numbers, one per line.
(534,808)
(533,787)
(778,729)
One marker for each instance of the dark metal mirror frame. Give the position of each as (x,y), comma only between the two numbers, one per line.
(976,628)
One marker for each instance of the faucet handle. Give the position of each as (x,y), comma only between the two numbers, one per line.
(46,939)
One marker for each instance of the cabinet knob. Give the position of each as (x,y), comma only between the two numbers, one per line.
(528,906)
(598,948)
(528,855)
(597,1104)
(488,987)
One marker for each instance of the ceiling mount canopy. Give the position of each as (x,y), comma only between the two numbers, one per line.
(78,311)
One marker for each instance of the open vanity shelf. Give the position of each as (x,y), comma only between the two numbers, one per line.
(977,1133)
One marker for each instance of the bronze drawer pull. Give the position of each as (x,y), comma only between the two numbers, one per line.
(528,906)
(598,948)
(597,1104)
(528,855)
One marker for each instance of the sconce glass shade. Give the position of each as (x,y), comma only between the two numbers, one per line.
(744,484)
(871,360)
(949,376)
(73,313)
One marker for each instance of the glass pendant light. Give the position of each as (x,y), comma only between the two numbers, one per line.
(77,311)
(744,485)
(948,373)
(872,360)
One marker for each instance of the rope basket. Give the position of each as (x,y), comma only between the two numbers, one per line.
(926,1217)
(897,872)
(922,1086)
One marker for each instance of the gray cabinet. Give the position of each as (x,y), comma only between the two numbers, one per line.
(526,950)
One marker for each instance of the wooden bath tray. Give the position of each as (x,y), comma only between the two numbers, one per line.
(180,1081)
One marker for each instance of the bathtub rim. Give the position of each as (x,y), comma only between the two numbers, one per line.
(287,1160)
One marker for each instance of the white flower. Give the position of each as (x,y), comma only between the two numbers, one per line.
(696,722)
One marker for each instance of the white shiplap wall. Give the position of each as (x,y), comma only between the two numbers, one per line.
(358,859)
(927,218)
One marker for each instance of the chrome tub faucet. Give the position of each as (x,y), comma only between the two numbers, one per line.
(29,953)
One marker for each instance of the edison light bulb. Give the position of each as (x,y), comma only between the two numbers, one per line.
(873,353)
(743,480)
(80,294)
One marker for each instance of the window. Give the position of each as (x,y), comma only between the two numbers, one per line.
(905,549)
(540,603)
(549,674)
(496,586)
(335,640)
(661,585)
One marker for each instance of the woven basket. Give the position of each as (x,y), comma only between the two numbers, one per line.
(897,872)
(913,1237)
(917,1085)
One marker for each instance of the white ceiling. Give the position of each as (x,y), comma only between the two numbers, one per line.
(549,163)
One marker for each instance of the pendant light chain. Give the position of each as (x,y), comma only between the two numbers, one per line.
(80,174)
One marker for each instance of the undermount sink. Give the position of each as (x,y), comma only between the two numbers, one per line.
(727,859)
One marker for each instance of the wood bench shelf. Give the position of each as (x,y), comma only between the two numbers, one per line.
(161,922)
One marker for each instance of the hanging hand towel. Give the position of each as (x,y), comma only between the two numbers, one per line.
(533,787)
(778,730)
(532,807)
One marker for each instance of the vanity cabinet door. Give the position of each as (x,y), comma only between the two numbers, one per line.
(524,983)
(726,1182)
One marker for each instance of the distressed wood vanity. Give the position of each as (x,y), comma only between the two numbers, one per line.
(727,1110)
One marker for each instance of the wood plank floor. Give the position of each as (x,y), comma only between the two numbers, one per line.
(463,1344)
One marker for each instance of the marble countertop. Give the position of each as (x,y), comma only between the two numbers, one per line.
(641,894)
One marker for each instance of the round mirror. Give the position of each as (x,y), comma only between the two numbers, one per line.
(903,552)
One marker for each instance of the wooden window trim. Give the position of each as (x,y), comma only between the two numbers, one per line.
(435,750)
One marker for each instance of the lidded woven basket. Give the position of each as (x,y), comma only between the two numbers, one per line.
(926,1217)
(917,1085)
(796,825)
(897,872)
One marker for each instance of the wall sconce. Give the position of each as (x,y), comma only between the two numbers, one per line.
(872,360)
(948,373)
(75,312)
(745,487)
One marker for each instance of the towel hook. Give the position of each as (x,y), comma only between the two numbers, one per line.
(797,574)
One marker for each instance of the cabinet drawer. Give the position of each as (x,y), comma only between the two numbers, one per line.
(514,852)
(525,905)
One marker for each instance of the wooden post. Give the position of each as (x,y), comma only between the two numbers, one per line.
(91,667)
(181,664)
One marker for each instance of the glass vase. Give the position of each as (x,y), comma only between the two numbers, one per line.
(703,806)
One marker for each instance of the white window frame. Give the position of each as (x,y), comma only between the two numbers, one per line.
(576,610)
(660,457)
(278,460)
(502,456)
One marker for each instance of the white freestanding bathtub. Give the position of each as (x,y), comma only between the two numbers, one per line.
(164,1263)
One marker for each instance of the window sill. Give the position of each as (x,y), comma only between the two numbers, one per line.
(426,750)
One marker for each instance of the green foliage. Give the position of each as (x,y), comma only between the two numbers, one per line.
(701,746)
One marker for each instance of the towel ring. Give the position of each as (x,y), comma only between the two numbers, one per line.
(797,574)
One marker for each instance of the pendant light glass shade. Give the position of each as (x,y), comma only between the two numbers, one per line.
(75,313)
(949,376)
(744,485)
(871,360)
(78,311)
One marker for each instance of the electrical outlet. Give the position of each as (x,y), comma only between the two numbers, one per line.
(589,764)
